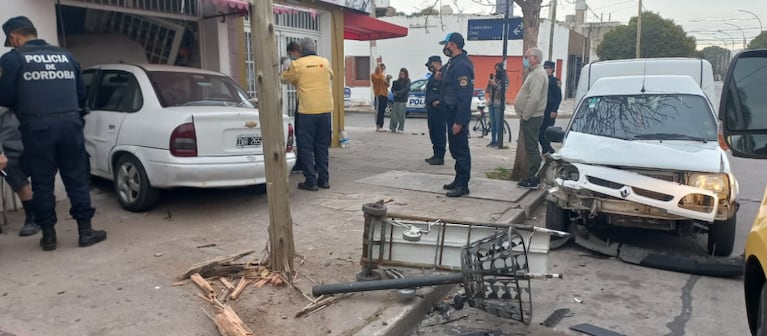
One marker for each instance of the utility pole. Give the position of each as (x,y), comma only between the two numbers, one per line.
(505,73)
(639,31)
(281,244)
(553,22)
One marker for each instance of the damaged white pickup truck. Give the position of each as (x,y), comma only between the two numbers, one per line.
(642,151)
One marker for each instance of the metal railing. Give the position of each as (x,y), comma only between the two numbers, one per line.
(177,9)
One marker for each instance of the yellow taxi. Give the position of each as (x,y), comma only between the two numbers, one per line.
(754,277)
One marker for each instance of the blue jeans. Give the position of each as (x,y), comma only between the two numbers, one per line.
(496,122)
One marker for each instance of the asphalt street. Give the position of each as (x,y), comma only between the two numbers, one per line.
(630,299)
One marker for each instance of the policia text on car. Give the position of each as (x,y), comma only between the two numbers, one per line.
(51,128)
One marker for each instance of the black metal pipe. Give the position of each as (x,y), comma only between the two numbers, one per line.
(364,286)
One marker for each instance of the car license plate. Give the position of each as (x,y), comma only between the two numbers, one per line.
(248,141)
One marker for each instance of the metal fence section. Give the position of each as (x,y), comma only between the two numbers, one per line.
(174,9)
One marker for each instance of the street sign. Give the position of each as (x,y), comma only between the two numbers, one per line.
(492,29)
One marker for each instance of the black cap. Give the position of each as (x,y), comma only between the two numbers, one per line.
(549,64)
(13,24)
(433,58)
(456,38)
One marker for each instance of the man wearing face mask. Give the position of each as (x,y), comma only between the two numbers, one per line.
(294,52)
(434,114)
(530,106)
(457,91)
(51,127)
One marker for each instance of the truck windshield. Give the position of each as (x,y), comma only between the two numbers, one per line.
(647,117)
(194,89)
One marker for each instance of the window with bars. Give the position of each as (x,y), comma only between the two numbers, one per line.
(250,65)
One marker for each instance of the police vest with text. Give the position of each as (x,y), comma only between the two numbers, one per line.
(47,81)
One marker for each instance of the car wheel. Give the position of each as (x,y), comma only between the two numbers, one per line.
(557,219)
(721,237)
(761,322)
(387,111)
(132,185)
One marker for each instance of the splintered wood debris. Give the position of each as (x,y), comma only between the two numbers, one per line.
(223,280)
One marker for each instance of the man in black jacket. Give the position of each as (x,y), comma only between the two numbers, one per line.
(435,115)
(552,106)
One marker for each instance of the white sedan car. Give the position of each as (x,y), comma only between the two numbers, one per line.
(153,127)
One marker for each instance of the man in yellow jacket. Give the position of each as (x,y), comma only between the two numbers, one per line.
(312,76)
(530,106)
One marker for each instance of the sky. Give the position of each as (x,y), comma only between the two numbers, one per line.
(710,21)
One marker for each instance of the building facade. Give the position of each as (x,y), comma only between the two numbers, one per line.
(411,52)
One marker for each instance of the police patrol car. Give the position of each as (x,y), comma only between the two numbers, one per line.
(416,101)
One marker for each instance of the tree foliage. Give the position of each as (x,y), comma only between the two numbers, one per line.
(660,38)
(718,57)
(760,41)
(429,11)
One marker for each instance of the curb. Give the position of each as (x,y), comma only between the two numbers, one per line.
(402,320)
(405,319)
(528,207)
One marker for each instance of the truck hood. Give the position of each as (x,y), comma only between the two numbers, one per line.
(668,154)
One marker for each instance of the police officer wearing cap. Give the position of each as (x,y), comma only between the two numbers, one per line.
(457,92)
(43,85)
(552,106)
(435,115)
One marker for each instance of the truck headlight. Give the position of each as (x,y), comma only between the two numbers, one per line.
(568,172)
(716,183)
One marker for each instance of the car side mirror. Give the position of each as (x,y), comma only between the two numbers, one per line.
(554,134)
(743,105)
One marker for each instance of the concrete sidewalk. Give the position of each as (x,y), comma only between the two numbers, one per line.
(122,286)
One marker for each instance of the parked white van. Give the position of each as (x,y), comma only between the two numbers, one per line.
(642,151)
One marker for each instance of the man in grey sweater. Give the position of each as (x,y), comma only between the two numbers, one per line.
(14,174)
(530,106)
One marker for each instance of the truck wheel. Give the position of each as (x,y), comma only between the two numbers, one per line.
(557,219)
(132,185)
(761,322)
(721,237)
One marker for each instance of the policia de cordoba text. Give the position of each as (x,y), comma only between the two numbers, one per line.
(50,66)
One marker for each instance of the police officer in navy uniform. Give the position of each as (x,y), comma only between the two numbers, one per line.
(457,92)
(552,106)
(435,115)
(43,85)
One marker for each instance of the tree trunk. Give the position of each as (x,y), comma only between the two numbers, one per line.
(531,12)
(281,244)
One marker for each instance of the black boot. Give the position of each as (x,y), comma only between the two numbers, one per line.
(29,228)
(48,242)
(89,236)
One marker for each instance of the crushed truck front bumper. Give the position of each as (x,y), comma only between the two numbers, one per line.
(606,190)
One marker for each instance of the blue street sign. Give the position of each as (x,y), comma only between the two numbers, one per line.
(492,29)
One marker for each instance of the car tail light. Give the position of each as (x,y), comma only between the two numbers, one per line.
(183,141)
(291,139)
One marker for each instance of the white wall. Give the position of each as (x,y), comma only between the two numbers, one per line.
(41,12)
(422,41)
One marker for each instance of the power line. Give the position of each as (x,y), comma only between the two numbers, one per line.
(615,4)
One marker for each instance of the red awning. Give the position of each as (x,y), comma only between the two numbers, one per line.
(361,27)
